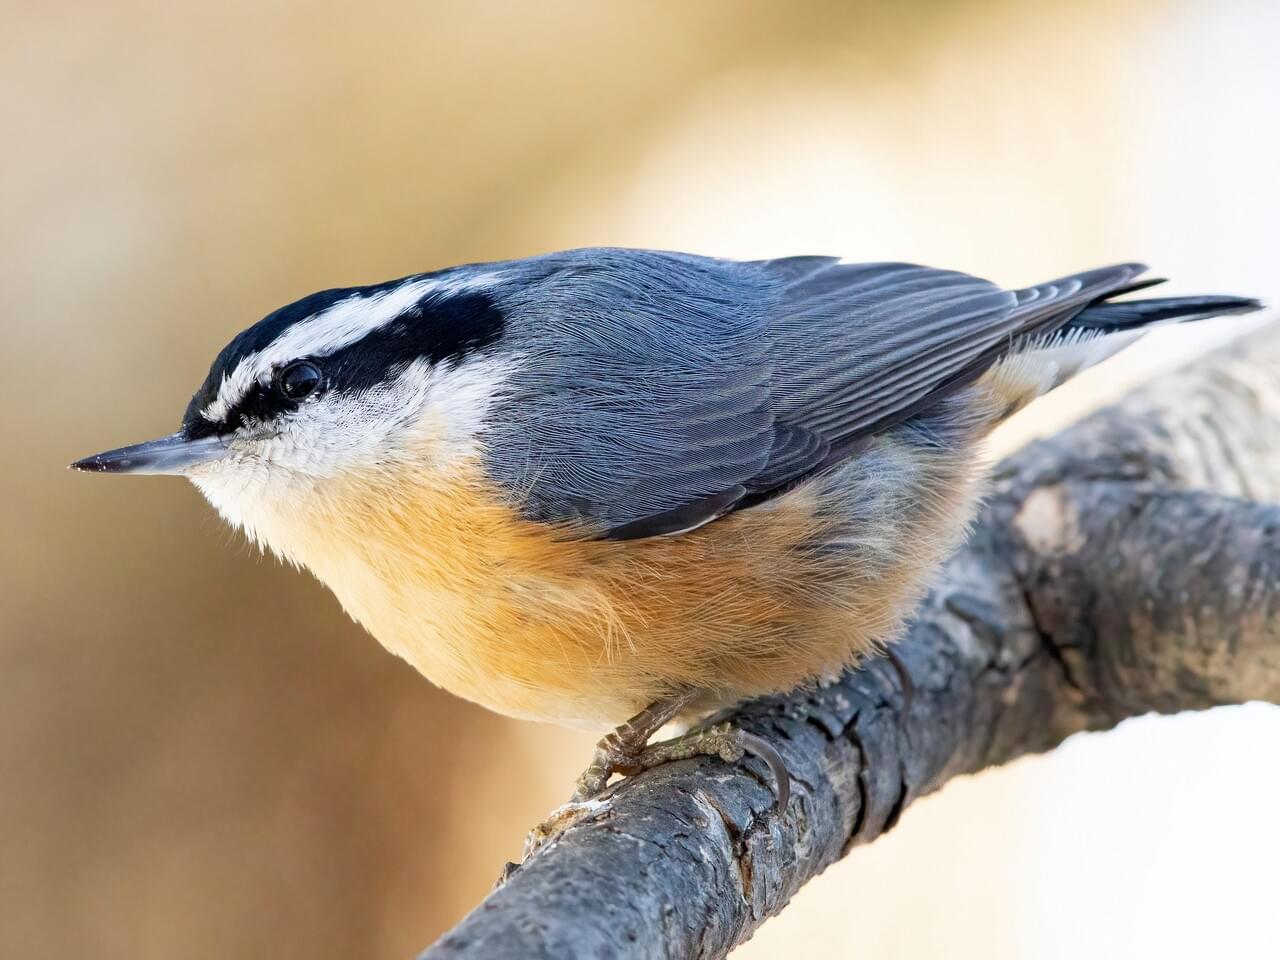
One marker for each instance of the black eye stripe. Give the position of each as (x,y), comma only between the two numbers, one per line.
(259,403)
(436,330)
(439,328)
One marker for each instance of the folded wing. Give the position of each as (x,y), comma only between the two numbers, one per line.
(695,385)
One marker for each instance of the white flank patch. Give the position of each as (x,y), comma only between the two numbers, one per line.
(1078,350)
(338,326)
(1048,362)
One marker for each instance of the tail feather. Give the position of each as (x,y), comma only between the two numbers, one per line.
(1125,314)
(1042,361)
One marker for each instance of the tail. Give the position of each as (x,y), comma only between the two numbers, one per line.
(1044,359)
(1108,316)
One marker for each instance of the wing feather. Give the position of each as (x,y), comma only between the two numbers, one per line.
(672,388)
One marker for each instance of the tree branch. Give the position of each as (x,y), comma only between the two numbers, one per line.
(1125,566)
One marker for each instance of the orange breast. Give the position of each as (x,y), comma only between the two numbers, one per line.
(533,621)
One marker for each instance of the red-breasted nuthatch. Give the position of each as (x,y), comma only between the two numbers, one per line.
(607,482)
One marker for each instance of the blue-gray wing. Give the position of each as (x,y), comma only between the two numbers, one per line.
(662,390)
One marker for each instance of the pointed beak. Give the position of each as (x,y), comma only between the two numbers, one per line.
(174,454)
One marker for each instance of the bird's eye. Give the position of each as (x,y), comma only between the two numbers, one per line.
(297,380)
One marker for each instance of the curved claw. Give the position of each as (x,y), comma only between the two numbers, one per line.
(759,747)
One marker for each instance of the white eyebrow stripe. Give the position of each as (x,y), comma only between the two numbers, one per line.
(337,326)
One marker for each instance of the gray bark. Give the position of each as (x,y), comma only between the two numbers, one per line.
(1128,565)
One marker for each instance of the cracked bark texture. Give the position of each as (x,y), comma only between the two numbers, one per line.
(1128,565)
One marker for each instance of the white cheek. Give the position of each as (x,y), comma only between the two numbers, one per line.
(426,413)
(457,401)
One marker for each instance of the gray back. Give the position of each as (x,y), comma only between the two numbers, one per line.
(659,390)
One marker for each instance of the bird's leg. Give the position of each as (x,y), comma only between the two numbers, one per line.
(725,741)
(621,751)
(627,751)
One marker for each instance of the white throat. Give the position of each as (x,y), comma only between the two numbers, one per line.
(427,416)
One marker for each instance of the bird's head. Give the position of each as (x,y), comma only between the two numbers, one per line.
(341,382)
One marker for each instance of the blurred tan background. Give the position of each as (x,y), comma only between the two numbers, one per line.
(200,756)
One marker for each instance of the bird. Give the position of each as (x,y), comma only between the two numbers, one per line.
(611,488)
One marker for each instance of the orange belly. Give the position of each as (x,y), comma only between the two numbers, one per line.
(531,621)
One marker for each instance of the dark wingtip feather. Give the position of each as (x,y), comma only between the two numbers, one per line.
(1120,315)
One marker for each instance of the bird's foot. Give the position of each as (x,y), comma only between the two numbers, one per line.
(627,752)
(723,740)
(616,753)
